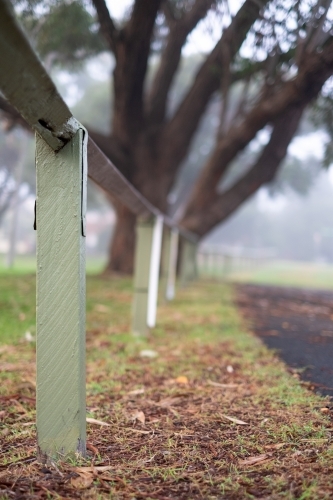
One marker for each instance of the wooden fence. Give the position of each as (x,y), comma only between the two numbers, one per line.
(220,262)
(65,156)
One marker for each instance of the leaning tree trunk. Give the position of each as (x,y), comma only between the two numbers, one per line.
(121,252)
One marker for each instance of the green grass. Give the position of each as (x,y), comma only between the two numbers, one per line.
(283,273)
(26,264)
(188,443)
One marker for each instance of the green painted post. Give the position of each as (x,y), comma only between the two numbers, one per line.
(188,266)
(172,265)
(165,260)
(144,238)
(60,221)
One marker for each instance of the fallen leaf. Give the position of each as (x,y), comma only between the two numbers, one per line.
(136,392)
(139,431)
(148,353)
(235,420)
(276,446)
(139,415)
(166,402)
(28,337)
(222,386)
(101,308)
(254,460)
(97,422)
(92,470)
(182,379)
(82,481)
(92,448)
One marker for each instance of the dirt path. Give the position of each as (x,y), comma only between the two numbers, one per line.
(298,323)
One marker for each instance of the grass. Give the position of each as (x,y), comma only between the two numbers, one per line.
(281,273)
(173,420)
(26,264)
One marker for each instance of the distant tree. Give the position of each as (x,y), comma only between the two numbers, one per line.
(271,62)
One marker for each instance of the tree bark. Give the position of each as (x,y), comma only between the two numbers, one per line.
(220,205)
(121,252)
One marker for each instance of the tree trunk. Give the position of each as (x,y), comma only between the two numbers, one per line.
(121,252)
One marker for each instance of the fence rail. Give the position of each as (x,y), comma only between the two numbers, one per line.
(64,157)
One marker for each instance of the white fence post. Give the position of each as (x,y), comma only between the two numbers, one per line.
(154,271)
(146,273)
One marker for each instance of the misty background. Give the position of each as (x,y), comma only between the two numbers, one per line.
(290,219)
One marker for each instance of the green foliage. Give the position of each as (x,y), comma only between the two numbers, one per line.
(64,33)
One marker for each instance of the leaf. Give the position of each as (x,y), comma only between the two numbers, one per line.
(148,353)
(93,448)
(97,422)
(276,446)
(82,481)
(166,402)
(92,470)
(182,379)
(135,392)
(235,420)
(140,416)
(139,431)
(101,308)
(254,460)
(222,386)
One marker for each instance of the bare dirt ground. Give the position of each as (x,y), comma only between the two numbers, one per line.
(298,324)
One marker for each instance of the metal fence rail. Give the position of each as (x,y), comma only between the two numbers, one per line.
(64,157)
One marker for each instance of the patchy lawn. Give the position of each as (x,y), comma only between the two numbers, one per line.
(198,409)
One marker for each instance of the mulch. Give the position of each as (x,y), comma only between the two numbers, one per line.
(298,324)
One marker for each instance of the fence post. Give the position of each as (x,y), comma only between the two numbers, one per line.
(146,273)
(188,265)
(154,271)
(60,224)
(172,271)
(170,263)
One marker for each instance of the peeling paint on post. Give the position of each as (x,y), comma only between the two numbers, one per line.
(61,405)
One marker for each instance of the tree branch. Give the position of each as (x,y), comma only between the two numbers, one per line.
(107,26)
(133,49)
(179,30)
(301,90)
(221,205)
(181,128)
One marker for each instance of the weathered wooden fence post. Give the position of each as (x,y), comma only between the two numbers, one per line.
(146,273)
(60,221)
